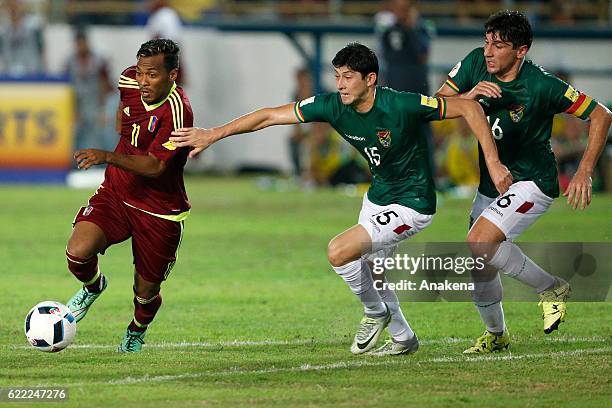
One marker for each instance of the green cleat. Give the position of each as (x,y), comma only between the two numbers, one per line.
(396,348)
(132,342)
(80,303)
(553,305)
(369,331)
(489,343)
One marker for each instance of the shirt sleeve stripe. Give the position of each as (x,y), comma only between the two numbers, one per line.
(176,105)
(180,101)
(583,106)
(442,108)
(576,105)
(298,112)
(175,112)
(127,79)
(587,111)
(120,85)
(453,85)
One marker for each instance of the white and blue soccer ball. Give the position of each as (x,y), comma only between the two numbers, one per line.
(50,326)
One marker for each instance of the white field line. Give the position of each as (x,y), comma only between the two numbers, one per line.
(298,342)
(370,362)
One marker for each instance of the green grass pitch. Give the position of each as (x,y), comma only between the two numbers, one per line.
(254,316)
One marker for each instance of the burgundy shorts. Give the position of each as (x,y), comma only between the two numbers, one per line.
(155,241)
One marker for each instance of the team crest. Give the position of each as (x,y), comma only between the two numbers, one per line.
(152,123)
(87,210)
(516,112)
(384,137)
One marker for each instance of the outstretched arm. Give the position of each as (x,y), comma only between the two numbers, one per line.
(579,190)
(148,166)
(483,88)
(201,139)
(472,112)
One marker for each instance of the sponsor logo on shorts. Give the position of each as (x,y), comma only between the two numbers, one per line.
(87,210)
(376,227)
(496,211)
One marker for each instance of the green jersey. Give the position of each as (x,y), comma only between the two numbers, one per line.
(389,137)
(521,120)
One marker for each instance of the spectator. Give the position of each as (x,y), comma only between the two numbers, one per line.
(569,141)
(405,49)
(89,75)
(405,53)
(21,41)
(332,163)
(462,157)
(165,22)
(303,89)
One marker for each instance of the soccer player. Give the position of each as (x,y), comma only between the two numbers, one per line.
(142,196)
(384,126)
(520,99)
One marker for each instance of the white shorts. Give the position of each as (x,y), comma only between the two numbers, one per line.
(515,211)
(388,225)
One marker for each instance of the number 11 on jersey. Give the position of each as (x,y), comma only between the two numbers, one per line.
(135,133)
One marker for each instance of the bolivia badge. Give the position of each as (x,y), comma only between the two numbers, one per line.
(516,112)
(384,137)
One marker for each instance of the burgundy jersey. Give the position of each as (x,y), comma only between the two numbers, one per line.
(145,129)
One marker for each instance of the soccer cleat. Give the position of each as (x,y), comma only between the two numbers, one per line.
(132,342)
(553,305)
(396,348)
(489,343)
(369,331)
(79,304)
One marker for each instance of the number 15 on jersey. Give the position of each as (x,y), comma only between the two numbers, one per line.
(373,156)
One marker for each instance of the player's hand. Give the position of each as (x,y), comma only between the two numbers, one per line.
(501,176)
(578,192)
(198,138)
(85,158)
(485,88)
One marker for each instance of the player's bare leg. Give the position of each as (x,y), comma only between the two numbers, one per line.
(86,241)
(147,301)
(344,254)
(486,239)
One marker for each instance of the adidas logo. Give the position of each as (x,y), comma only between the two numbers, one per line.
(126,110)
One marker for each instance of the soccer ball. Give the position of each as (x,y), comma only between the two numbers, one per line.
(50,326)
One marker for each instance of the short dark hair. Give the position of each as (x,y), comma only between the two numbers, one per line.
(161,46)
(511,26)
(357,57)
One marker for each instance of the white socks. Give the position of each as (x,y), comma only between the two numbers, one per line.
(358,276)
(398,327)
(360,281)
(514,263)
(487,299)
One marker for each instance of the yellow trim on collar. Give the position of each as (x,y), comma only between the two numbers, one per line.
(160,103)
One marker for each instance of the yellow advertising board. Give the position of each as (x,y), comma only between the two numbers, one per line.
(36,120)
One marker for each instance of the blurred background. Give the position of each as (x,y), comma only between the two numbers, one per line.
(60,60)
